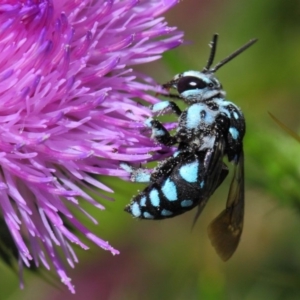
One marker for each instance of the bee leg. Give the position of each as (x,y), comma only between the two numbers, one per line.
(137,174)
(164,107)
(160,133)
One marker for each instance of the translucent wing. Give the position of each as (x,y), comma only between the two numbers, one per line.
(226,229)
(215,171)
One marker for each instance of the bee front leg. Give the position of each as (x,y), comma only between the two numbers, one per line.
(160,133)
(137,174)
(162,108)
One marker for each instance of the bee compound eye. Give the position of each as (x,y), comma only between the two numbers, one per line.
(190,83)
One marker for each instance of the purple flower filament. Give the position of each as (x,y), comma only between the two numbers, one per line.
(67,112)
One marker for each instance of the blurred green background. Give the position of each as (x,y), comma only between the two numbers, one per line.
(165,259)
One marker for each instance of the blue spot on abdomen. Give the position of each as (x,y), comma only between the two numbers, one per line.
(154,197)
(147,215)
(166,212)
(169,190)
(135,209)
(186,203)
(143,201)
(189,172)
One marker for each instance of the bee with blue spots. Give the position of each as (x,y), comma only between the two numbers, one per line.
(209,129)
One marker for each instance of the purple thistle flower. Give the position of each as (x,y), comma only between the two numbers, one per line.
(68,113)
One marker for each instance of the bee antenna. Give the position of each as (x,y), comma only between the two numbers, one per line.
(231,56)
(213,45)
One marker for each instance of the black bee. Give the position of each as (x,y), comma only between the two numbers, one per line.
(208,129)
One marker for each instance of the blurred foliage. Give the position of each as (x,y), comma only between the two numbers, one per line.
(165,259)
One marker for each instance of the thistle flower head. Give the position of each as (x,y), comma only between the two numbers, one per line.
(68,112)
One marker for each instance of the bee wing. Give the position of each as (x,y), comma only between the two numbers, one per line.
(215,173)
(226,229)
